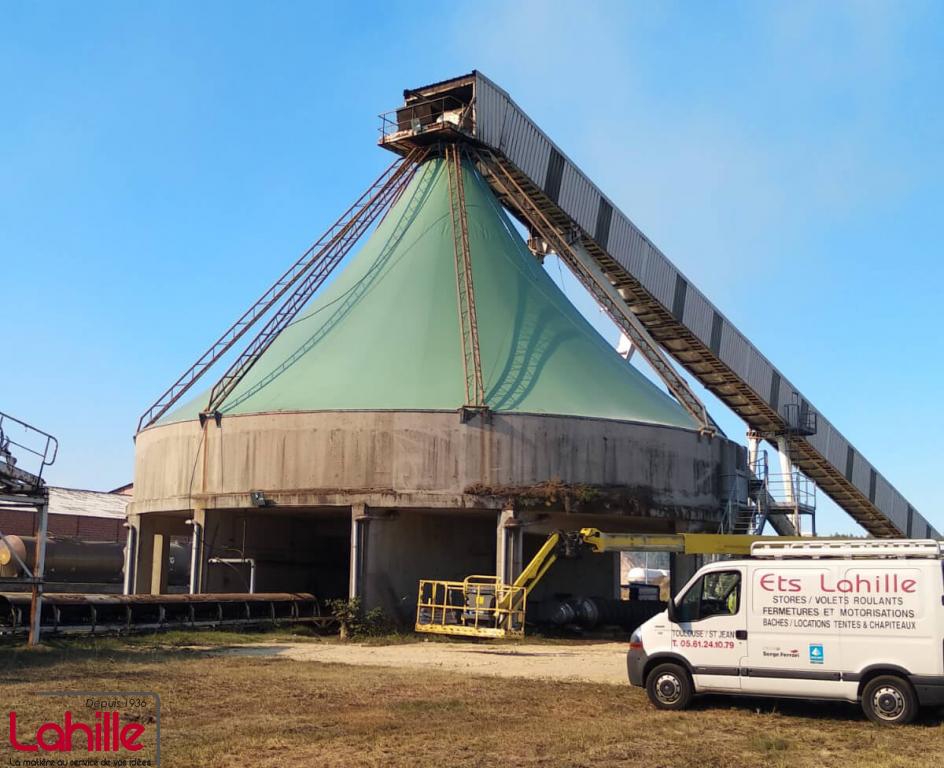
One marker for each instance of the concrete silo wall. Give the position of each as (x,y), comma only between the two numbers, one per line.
(369,502)
(425,459)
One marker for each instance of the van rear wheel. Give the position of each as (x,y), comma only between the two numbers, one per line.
(889,700)
(669,687)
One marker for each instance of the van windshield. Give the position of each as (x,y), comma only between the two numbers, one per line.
(715,594)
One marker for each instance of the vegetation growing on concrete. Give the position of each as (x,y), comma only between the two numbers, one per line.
(571,497)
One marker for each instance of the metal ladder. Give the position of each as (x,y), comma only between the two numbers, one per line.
(465,290)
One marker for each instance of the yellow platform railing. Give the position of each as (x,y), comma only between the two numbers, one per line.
(479,606)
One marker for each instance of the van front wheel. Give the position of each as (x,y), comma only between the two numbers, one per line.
(669,687)
(889,700)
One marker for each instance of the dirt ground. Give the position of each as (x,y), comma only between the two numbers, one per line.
(590,663)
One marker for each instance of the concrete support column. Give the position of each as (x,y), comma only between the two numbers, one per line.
(359,521)
(681,569)
(144,554)
(509,547)
(160,550)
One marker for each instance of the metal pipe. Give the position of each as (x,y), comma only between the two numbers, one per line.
(354,577)
(789,492)
(250,561)
(130,543)
(195,556)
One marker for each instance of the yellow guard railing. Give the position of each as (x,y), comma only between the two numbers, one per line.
(479,606)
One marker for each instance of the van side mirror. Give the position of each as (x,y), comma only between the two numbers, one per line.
(671,610)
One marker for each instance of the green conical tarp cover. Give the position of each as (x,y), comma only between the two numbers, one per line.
(385,335)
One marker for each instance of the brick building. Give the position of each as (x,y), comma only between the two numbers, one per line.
(75,513)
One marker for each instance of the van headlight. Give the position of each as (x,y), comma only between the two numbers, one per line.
(635,640)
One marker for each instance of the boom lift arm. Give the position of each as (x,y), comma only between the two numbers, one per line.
(483,606)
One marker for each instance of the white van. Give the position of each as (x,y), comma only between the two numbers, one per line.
(859,620)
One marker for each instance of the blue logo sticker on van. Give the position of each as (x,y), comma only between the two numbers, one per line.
(816,653)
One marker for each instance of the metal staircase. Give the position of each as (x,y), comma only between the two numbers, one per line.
(784,500)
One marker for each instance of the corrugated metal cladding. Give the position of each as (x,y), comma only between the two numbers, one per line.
(788,393)
(554,175)
(773,399)
(759,372)
(601,232)
(717,323)
(884,494)
(579,197)
(659,279)
(491,105)
(861,474)
(501,124)
(526,145)
(898,510)
(837,447)
(678,302)
(734,349)
(829,443)
(625,239)
(699,316)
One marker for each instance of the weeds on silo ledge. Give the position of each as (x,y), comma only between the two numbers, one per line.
(570,497)
(355,622)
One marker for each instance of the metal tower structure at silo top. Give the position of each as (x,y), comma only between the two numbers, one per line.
(652,302)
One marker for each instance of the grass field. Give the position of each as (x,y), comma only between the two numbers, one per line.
(231,711)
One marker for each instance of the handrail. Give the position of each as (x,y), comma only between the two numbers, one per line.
(422,115)
(46,454)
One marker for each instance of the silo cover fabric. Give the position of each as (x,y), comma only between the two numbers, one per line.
(384,335)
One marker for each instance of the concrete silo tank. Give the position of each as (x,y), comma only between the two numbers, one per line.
(340,465)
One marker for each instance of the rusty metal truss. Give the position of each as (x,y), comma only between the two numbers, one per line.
(306,275)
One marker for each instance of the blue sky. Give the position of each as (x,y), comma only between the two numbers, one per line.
(161,163)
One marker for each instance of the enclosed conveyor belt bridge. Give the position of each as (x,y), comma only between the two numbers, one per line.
(652,302)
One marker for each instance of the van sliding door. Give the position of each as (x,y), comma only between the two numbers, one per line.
(793,630)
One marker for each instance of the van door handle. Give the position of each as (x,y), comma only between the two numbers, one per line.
(740,634)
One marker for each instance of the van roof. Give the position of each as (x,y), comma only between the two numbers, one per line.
(849,548)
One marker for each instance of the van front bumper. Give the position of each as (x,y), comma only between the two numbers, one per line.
(635,665)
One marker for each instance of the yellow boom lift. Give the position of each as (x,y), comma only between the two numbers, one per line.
(484,606)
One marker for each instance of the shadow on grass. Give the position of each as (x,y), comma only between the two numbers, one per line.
(148,647)
(805,709)
(55,653)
